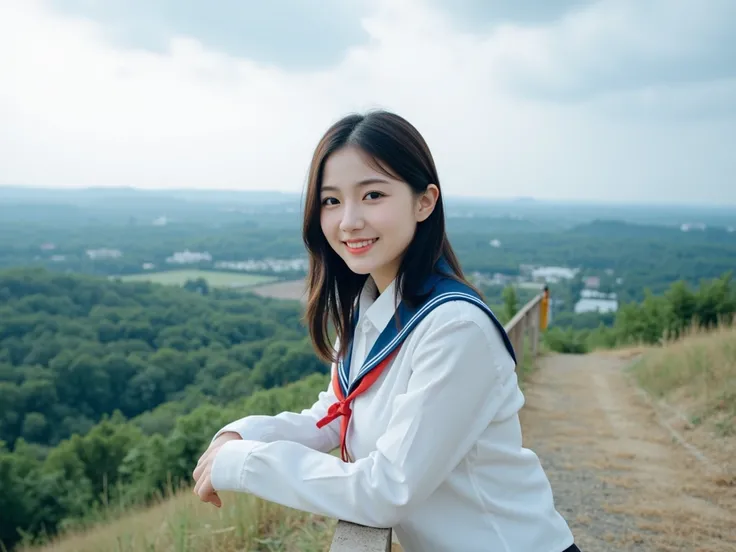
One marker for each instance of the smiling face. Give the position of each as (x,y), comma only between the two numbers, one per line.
(367,217)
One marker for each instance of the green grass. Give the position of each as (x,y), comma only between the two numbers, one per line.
(214,278)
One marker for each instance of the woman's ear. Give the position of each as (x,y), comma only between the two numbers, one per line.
(426,202)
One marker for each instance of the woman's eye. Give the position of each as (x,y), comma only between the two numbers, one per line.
(373,195)
(329,201)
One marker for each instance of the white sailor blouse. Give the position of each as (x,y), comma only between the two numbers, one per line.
(430,444)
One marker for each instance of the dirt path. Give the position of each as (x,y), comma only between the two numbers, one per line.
(619,478)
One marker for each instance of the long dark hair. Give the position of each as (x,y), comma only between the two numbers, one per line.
(396,148)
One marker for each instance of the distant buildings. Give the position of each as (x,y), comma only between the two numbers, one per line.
(247,265)
(96,254)
(497,279)
(265,265)
(189,257)
(552,274)
(595,301)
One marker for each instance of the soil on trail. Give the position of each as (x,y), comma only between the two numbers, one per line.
(619,478)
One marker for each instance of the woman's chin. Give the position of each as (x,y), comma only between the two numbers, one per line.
(359,267)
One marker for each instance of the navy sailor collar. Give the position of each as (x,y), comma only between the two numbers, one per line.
(436,290)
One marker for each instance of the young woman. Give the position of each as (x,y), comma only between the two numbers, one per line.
(424,400)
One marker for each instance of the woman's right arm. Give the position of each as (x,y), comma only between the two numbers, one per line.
(299,427)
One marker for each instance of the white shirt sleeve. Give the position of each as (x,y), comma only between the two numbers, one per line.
(299,427)
(456,388)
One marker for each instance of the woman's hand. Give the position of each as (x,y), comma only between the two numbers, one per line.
(202,473)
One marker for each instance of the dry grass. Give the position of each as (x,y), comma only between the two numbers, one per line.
(625,481)
(184,524)
(696,377)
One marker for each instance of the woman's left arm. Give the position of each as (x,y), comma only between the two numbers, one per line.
(456,388)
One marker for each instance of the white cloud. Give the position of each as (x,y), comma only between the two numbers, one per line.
(618,45)
(561,111)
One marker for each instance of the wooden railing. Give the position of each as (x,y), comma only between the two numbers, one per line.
(527,323)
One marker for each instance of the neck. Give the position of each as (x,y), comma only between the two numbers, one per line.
(383,279)
(386,274)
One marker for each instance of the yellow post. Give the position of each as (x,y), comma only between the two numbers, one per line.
(544,310)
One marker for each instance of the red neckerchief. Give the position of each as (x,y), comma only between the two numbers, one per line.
(342,407)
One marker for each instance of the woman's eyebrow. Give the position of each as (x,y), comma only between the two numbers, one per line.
(364,182)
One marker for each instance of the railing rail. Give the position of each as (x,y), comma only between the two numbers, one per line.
(527,322)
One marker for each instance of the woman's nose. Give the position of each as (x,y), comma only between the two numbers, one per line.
(352,219)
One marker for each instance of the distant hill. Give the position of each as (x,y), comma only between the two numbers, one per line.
(628,230)
(131,200)
(91,196)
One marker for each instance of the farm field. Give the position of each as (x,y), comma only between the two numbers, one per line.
(214,278)
(289,289)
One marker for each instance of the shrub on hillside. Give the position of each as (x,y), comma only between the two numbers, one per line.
(656,319)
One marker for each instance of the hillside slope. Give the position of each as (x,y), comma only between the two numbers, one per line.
(619,478)
(108,390)
(692,383)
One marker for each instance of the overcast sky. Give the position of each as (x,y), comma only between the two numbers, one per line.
(620,100)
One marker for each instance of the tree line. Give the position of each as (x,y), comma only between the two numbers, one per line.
(628,258)
(74,348)
(656,319)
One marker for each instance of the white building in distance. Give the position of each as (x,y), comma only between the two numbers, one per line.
(553,274)
(104,253)
(189,257)
(265,265)
(596,301)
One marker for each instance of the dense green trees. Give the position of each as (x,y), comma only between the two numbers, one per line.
(74,348)
(668,316)
(109,391)
(116,464)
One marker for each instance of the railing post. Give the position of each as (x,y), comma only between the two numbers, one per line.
(544,309)
(526,320)
(534,330)
(351,537)
(520,331)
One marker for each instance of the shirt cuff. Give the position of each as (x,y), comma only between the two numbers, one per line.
(258,428)
(228,467)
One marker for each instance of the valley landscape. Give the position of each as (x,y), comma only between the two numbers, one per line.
(156,159)
(126,341)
